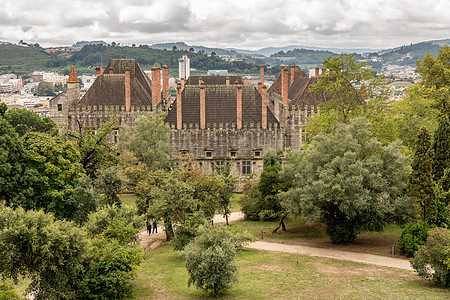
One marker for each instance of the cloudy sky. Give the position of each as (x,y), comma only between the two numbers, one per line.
(247,24)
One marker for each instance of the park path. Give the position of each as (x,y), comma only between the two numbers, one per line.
(149,242)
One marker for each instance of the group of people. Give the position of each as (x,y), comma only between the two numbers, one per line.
(149,227)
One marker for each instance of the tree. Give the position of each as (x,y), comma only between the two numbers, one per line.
(3,109)
(13,175)
(49,252)
(441,148)
(96,150)
(210,258)
(149,141)
(53,172)
(24,120)
(348,179)
(421,179)
(436,79)
(45,89)
(224,173)
(110,183)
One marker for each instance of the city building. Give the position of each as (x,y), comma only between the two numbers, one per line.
(184,67)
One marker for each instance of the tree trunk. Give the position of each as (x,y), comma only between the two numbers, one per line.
(281,224)
(226,218)
(169,230)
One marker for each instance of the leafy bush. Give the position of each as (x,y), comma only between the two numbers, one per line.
(413,236)
(432,260)
(108,270)
(100,220)
(210,258)
(7,292)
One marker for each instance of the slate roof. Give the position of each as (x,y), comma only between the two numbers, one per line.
(109,89)
(213,80)
(220,105)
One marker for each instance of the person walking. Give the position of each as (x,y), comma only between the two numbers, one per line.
(155,227)
(149,227)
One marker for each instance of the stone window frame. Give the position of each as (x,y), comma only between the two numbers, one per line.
(246,167)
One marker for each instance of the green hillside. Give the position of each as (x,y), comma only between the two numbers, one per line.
(21,60)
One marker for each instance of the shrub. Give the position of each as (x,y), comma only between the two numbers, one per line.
(7,292)
(210,258)
(432,260)
(413,236)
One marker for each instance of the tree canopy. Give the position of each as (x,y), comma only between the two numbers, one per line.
(347,179)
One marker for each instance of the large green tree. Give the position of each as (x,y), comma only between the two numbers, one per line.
(421,179)
(149,141)
(45,89)
(441,148)
(24,120)
(435,73)
(48,252)
(348,179)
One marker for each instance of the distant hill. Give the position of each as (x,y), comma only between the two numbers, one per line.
(302,57)
(21,60)
(185,47)
(268,51)
(408,54)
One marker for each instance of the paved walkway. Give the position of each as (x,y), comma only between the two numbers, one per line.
(152,241)
(334,254)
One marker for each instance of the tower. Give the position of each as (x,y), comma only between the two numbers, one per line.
(184,67)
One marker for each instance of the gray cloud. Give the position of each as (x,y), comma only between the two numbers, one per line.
(233,23)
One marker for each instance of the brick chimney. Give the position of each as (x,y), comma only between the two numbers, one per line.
(264,107)
(200,80)
(97,71)
(245,80)
(154,87)
(238,106)
(202,106)
(111,70)
(296,69)
(324,71)
(317,72)
(165,75)
(284,85)
(127,90)
(179,107)
(292,75)
(158,84)
(227,81)
(183,82)
(259,87)
(262,74)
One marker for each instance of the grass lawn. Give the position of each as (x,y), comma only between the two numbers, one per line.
(300,233)
(127,199)
(264,275)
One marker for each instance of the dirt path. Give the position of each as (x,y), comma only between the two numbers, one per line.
(152,241)
(149,242)
(334,254)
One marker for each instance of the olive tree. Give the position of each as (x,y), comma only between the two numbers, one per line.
(349,180)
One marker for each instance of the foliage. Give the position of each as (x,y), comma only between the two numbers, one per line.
(436,79)
(210,259)
(24,120)
(96,151)
(224,173)
(441,148)
(53,172)
(149,141)
(13,184)
(271,158)
(3,109)
(82,201)
(421,181)
(348,179)
(45,89)
(413,236)
(110,183)
(442,202)
(49,252)
(108,270)
(7,292)
(432,260)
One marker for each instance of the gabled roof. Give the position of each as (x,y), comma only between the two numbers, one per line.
(109,89)
(299,93)
(212,80)
(220,105)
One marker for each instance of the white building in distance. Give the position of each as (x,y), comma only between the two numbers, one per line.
(184,67)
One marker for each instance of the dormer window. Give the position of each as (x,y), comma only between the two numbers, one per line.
(257,153)
(208,153)
(233,153)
